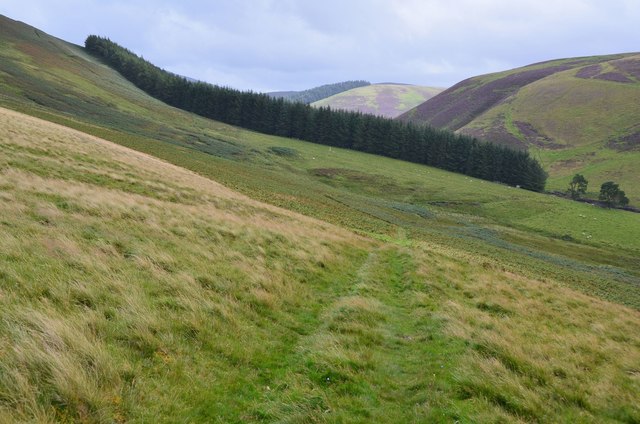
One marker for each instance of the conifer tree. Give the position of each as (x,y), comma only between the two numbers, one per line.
(368,133)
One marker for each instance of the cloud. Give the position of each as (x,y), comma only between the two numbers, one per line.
(296,44)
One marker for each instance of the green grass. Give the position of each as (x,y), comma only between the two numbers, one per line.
(597,165)
(132,290)
(388,191)
(118,305)
(389,100)
(583,116)
(107,288)
(511,127)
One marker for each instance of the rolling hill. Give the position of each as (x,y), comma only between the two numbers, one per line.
(318,93)
(579,115)
(387,99)
(218,274)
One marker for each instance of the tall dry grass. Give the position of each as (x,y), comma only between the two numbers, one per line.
(115,265)
(538,351)
(135,291)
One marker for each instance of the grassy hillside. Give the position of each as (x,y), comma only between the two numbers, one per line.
(578,115)
(389,100)
(135,291)
(370,194)
(161,296)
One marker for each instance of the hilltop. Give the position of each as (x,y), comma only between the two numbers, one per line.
(386,99)
(241,277)
(577,115)
(318,93)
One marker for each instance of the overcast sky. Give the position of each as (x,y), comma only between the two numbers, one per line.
(267,45)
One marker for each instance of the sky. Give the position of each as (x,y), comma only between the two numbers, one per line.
(270,45)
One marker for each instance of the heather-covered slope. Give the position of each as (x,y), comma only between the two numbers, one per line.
(577,115)
(463,103)
(387,99)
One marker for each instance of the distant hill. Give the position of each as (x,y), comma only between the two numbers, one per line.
(387,99)
(318,93)
(577,115)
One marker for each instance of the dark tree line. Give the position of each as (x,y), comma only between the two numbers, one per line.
(351,130)
(319,93)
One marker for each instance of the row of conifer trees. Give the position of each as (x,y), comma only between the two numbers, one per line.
(351,130)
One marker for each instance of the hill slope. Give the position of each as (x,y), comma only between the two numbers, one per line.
(318,93)
(119,268)
(578,115)
(389,100)
(131,290)
(134,291)
(351,130)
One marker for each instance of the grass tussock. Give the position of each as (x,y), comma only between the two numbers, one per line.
(539,352)
(102,287)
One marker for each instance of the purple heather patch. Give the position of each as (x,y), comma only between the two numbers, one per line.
(495,135)
(625,67)
(589,71)
(463,102)
(613,76)
(626,143)
(535,137)
(629,66)
(387,101)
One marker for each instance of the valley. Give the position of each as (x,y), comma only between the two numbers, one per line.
(157,266)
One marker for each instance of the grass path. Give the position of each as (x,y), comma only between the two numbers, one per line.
(132,290)
(377,354)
